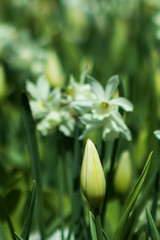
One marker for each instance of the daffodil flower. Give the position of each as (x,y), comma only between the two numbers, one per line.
(47,107)
(43,100)
(79,93)
(104,110)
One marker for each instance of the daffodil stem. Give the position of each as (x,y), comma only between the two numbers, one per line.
(109,179)
(98,224)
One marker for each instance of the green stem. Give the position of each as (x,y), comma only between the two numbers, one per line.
(109,178)
(98,224)
(29,126)
(61,192)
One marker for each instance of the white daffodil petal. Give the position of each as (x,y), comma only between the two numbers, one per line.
(31,89)
(82,105)
(116,116)
(43,87)
(111,86)
(123,127)
(88,119)
(55,97)
(109,134)
(96,88)
(110,130)
(38,109)
(65,130)
(157,133)
(67,124)
(43,127)
(123,103)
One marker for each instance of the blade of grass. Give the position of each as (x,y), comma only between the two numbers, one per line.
(61,195)
(27,224)
(18,237)
(77,209)
(151,225)
(129,230)
(92,226)
(6,216)
(29,125)
(155,196)
(118,235)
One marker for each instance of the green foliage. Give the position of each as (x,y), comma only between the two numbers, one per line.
(151,225)
(56,39)
(120,231)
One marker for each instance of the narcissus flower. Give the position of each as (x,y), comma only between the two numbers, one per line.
(93,182)
(48,108)
(103,110)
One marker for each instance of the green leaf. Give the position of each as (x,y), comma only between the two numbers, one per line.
(151,225)
(27,224)
(29,125)
(18,237)
(92,226)
(77,208)
(118,235)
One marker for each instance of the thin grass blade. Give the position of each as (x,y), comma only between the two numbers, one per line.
(27,224)
(131,201)
(29,125)
(18,237)
(152,227)
(92,226)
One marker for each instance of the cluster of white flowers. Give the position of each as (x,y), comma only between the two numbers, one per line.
(12,42)
(87,100)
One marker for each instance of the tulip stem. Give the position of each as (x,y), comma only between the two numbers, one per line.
(98,224)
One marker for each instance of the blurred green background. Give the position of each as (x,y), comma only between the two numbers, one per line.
(58,38)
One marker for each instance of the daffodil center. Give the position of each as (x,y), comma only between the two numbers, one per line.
(104,105)
(70,91)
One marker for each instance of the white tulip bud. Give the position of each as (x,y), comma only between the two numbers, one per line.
(93,182)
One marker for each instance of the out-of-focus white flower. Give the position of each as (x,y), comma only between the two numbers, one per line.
(79,91)
(157,133)
(47,107)
(104,110)
(43,100)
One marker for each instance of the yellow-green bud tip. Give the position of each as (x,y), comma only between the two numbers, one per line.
(123,176)
(93,182)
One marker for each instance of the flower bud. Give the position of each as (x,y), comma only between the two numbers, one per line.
(54,72)
(123,175)
(93,182)
(3,84)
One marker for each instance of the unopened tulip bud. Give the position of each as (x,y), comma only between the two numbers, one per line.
(123,175)
(93,182)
